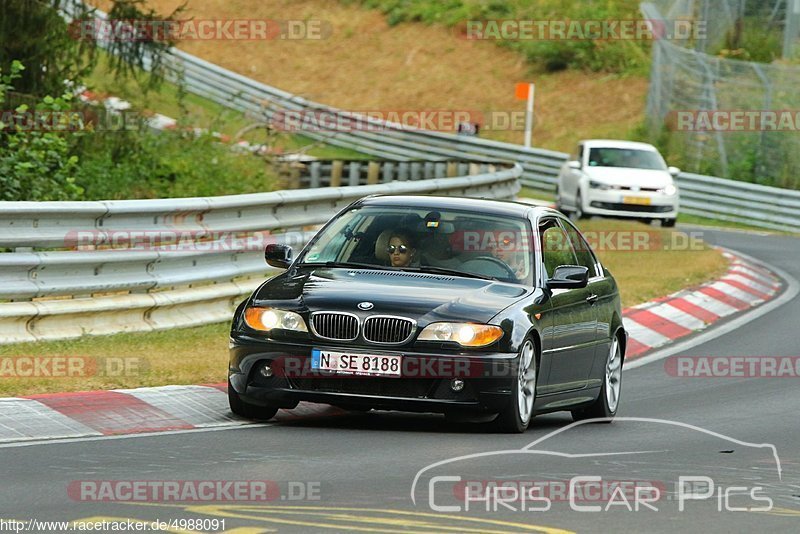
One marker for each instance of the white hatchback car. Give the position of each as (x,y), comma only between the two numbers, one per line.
(618,179)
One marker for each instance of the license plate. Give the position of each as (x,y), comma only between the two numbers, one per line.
(641,201)
(355,364)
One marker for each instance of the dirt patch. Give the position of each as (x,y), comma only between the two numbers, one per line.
(367,65)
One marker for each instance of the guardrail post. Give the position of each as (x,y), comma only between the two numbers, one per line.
(336,173)
(388,172)
(429,170)
(463,169)
(316,166)
(440,170)
(373,170)
(416,167)
(355,173)
(402,171)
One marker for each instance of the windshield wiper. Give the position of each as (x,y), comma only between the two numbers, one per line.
(444,270)
(341,264)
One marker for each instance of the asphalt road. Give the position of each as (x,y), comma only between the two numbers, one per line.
(360,470)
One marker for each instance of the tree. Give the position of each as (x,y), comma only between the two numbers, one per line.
(37,33)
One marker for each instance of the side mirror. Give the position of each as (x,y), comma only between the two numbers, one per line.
(279,256)
(674,171)
(569,277)
(574,164)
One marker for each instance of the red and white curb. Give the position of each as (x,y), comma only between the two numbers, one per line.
(128,411)
(666,319)
(175,408)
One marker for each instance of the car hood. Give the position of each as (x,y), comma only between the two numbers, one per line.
(627,177)
(424,297)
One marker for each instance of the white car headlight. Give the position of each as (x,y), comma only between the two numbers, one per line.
(669,190)
(465,334)
(600,186)
(265,319)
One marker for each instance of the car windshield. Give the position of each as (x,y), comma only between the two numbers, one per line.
(441,241)
(626,157)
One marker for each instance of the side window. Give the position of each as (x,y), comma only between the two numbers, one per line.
(582,249)
(556,247)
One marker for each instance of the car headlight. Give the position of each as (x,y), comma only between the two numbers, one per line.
(465,334)
(600,186)
(265,319)
(669,190)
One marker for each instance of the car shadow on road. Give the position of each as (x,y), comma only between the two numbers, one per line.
(416,422)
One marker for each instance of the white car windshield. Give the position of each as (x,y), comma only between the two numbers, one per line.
(626,157)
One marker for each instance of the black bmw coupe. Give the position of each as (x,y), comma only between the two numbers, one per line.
(460,306)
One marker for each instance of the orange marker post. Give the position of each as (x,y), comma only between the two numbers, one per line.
(525,91)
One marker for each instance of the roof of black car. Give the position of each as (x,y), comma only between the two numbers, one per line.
(495,207)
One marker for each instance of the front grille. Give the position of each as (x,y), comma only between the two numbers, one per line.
(387,329)
(378,386)
(335,325)
(631,207)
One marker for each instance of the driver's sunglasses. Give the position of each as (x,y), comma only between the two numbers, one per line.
(402,249)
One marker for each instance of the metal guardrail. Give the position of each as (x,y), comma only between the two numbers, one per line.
(131,289)
(729,200)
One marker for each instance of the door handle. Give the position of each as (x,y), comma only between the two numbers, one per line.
(591,298)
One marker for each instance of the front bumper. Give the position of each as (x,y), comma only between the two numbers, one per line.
(641,204)
(425,384)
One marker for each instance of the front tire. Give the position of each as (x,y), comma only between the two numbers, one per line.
(519,412)
(578,214)
(248,411)
(668,223)
(607,402)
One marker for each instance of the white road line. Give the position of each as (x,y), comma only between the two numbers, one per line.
(709,303)
(132,436)
(644,335)
(679,317)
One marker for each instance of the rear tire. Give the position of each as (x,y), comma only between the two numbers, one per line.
(519,412)
(607,402)
(248,411)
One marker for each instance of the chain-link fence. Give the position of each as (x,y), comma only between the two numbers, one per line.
(720,116)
